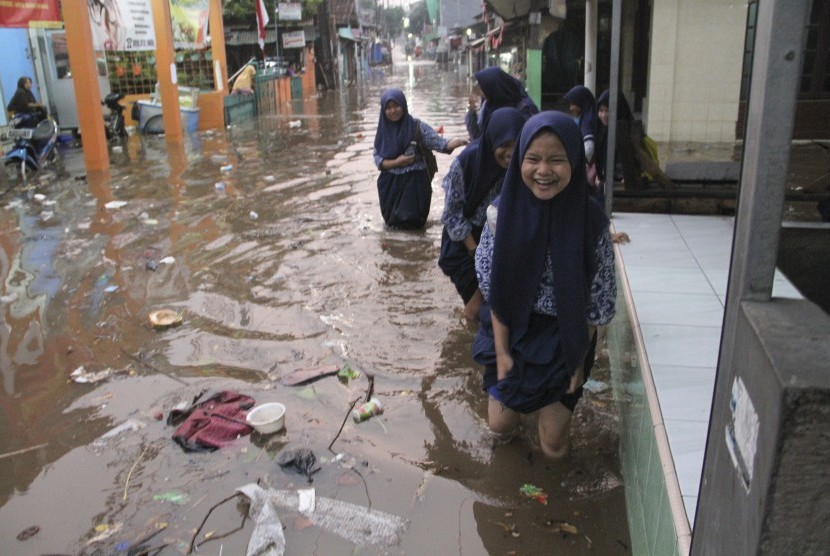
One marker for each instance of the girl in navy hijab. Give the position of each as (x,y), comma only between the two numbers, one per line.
(473,181)
(584,107)
(500,90)
(404,185)
(545,266)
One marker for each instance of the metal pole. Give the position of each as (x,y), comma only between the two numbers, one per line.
(277,28)
(613,92)
(590,74)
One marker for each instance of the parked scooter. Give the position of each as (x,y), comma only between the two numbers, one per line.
(114,122)
(35,141)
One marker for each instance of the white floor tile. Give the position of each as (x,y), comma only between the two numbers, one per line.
(691,309)
(685,393)
(668,280)
(687,440)
(687,346)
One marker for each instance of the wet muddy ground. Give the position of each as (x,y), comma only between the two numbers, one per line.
(285,265)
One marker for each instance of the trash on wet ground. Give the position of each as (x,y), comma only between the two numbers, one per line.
(253,215)
(309,374)
(115,204)
(82,376)
(562,527)
(535,493)
(352,522)
(28,533)
(301,461)
(595,386)
(174,497)
(130,425)
(104,531)
(219,186)
(226,168)
(267,537)
(267,418)
(347,373)
(151,264)
(367,410)
(295,123)
(165,318)
(209,425)
(168,260)
(307,498)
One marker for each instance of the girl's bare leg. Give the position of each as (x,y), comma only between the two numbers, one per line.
(473,306)
(554,430)
(502,421)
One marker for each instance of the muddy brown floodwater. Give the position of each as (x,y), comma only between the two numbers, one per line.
(286,266)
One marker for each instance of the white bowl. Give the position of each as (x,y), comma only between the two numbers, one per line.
(267,418)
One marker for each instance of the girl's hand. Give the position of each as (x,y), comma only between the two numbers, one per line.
(402,161)
(576,381)
(454,143)
(504,364)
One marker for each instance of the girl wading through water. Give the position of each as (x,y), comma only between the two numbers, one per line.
(404,184)
(545,266)
(472,182)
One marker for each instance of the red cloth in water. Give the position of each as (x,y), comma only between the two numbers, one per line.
(213,423)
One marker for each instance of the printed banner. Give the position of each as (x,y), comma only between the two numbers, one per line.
(190,20)
(293,39)
(122,24)
(29,13)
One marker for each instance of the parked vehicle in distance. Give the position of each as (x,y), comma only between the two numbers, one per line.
(35,142)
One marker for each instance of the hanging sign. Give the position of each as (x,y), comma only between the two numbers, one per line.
(29,13)
(293,39)
(122,25)
(290,11)
(190,18)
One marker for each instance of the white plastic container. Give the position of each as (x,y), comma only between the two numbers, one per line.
(267,418)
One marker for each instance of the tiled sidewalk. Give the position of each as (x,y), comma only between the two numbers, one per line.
(678,269)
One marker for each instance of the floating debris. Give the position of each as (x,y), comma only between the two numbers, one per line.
(28,533)
(81,376)
(165,318)
(534,492)
(115,204)
(226,168)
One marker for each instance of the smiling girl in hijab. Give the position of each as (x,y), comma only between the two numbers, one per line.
(473,181)
(404,185)
(583,105)
(499,90)
(545,266)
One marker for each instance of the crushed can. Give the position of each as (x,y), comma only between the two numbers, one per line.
(367,410)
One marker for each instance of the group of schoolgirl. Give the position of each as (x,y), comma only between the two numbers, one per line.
(524,242)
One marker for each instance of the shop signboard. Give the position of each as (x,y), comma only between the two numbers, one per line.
(26,13)
(293,39)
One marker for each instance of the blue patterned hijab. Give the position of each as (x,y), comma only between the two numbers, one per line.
(584,98)
(481,171)
(567,226)
(392,138)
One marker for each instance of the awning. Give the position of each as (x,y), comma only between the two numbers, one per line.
(346,33)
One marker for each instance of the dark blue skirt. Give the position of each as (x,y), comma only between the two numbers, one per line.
(539,376)
(405,198)
(457,263)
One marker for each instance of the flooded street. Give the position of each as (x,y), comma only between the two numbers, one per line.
(280,263)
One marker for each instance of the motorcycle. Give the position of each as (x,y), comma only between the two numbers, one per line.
(114,121)
(35,142)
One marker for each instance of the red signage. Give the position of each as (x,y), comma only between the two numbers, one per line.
(29,13)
